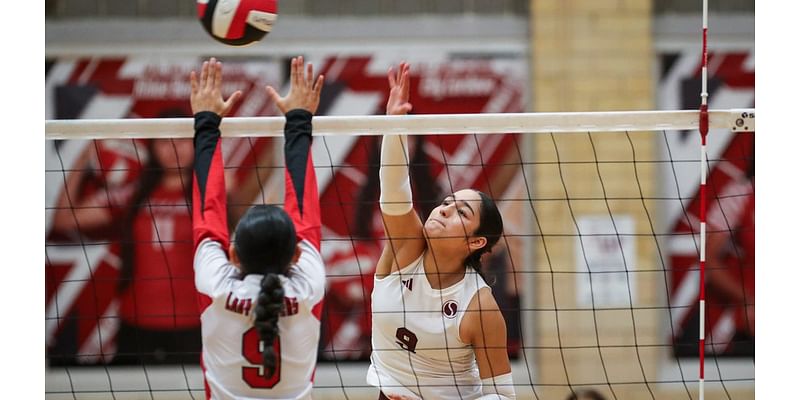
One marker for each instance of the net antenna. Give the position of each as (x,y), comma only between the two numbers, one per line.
(703,156)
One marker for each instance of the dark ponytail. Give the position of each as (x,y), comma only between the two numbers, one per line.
(267,311)
(265,240)
(491,227)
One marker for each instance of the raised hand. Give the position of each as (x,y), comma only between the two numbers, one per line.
(304,90)
(399,84)
(207,93)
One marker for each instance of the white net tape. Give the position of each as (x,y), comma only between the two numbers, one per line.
(734,120)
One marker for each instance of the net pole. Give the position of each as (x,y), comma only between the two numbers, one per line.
(703,127)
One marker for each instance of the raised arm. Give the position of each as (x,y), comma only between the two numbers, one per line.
(485,329)
(209,215)
(74,213)
(301,198)
(401,223)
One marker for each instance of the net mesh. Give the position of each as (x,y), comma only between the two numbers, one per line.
(596,274)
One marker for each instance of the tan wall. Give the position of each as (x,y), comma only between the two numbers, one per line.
(597,55)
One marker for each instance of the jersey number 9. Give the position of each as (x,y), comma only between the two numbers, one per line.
(406,339)
(251,350)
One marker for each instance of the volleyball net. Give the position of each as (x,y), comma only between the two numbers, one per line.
(597,274)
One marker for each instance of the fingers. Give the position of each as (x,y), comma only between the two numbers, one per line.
(296,71)
(193,80)
(203,75)
(400,70)
(405,84)
(310,76)
(217,76)
(392,80)
(232,100)
(212,74)
(279,101)
(273,95)
(318,85)
(302,75)
(399,77)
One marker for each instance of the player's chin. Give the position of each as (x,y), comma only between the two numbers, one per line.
(440,235)
(433,229)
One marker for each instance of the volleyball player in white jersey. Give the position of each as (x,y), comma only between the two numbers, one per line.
(437,332)
(261,296)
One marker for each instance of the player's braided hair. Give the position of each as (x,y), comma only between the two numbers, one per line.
(265,241)
(268,308)
(491,227)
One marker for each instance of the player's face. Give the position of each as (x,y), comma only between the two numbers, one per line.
(174,153)
(456,218)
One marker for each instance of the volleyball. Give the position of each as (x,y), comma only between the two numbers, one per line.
(237,22)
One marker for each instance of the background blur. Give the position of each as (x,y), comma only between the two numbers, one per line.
(629,334)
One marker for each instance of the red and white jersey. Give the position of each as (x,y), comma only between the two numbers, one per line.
(231,354)
(232,348)
(417,350)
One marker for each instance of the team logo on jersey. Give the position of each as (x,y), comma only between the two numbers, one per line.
(408,283)
(450,308)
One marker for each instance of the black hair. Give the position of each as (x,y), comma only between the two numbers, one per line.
(265,240)
(589,393)
(490,226)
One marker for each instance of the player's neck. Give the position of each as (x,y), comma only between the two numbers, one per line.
(442,268)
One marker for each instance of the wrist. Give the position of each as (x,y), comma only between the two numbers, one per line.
(207,113)
(206,120)
(299,112)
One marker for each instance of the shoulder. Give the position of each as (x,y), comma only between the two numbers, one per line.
(212,269)
(410,268)
(483,301)
(310,265)
(483,318)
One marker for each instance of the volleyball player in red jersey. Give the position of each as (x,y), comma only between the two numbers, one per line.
(150,222)
(261,295)
(158,323)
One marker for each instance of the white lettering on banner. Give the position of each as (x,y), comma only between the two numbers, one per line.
(170,82)
(439,87)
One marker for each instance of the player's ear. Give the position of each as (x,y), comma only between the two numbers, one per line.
(476,242)
(233,256)
(297,253)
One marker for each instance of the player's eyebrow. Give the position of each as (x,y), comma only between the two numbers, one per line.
(464,202)
(468,206)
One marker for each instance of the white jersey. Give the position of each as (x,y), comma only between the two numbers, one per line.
(416,347)
(231,345)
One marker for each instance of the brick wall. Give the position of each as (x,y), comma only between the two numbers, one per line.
(598,55)
(591,55)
